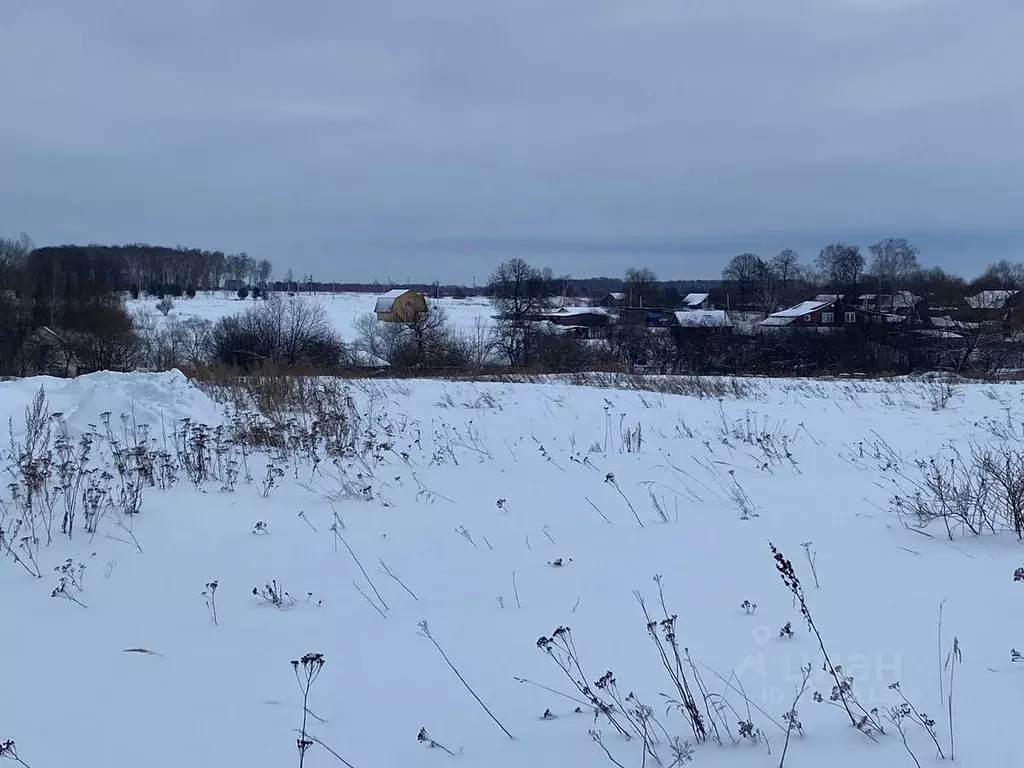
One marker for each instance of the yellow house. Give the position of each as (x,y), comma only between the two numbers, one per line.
(400,306)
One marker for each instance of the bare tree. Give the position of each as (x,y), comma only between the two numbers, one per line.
(841,265)
(786,264)
(768,288)
(13,255)
(426,340)
(109,343)
(477,342)
(640,282)
(517,291)
(264,269)
(893,260)
(291,332)
(1003,275)
(743,270)
(377,339)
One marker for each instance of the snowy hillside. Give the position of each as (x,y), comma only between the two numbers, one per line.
(344,309)
(497,514)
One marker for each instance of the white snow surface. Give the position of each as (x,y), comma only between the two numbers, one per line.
(343,309)
(71,693)
(160,400)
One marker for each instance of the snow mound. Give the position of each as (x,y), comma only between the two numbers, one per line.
(150,398)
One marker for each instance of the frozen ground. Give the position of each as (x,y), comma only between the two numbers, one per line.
(508,510)
(344,309)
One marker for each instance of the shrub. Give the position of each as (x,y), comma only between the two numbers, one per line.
(977,493)
(164,306)
(190,292)
(243,292)
(561,352)
(292,333)
(426,342)
(175,343)
(104,339)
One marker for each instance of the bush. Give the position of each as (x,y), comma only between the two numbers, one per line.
(243,292)
(977,493)
(426,342)
(164,306)
(292,333)
(175,343)
(105,339)
(561,352)
(190,292)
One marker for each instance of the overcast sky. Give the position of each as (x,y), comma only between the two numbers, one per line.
(429,139)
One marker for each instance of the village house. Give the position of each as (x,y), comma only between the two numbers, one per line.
(827,312)
(993,308)
(401,306)
(614,300)
(900,303)
(993,300)
(584,321)
(702,323)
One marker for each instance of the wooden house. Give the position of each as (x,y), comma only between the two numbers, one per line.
(584,321)
(900,303)
(401,306)
(698,323)
(994,308)
(828,313)
(614,300)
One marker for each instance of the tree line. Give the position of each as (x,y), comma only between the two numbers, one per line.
(76,293)
(136,268)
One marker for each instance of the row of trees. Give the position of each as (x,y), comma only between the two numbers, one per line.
(838,265)
(134,268)
(889,266)
(75,292)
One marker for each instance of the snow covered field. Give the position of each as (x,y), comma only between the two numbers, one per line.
(344,309)
(498,513)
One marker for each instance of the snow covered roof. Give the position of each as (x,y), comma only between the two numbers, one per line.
(695,299)
(947,322)
(570,301)
(703,318)
(990,299)
(581,311)
(787,316)
(898,299)
(386,301)
(617,295)
(904,299)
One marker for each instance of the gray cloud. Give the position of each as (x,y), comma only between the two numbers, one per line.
(353,138)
